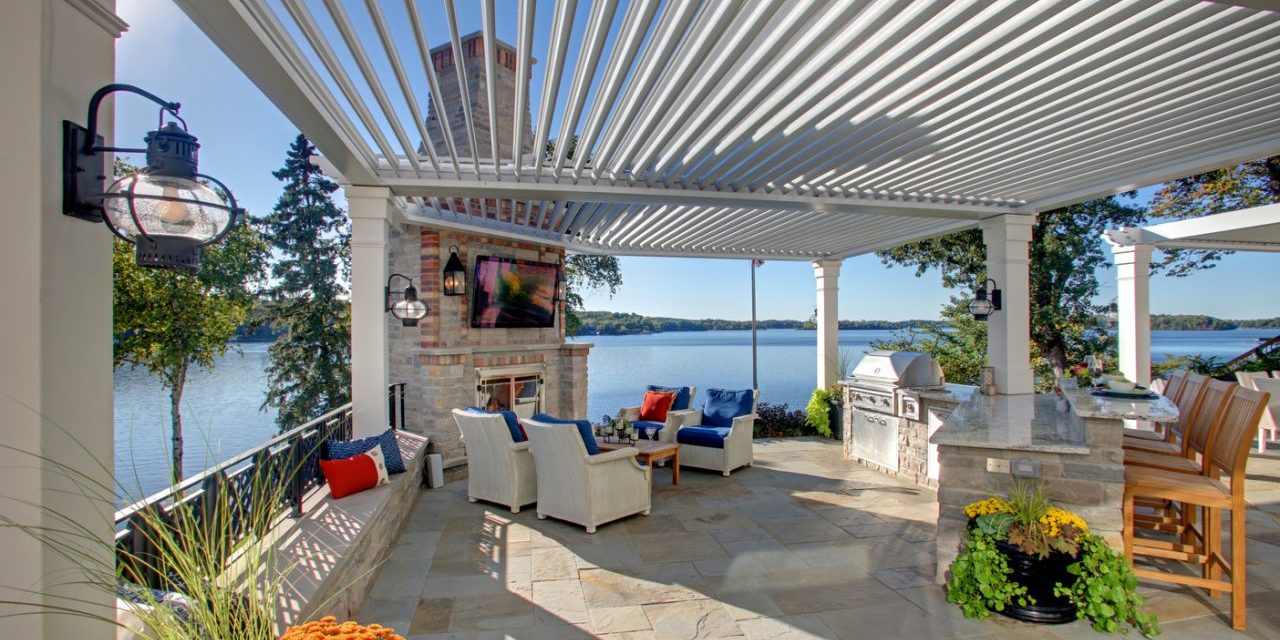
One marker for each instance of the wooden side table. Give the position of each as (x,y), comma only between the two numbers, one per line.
(650,451)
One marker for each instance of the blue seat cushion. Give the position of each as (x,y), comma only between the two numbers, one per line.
(584,430)
(513,423)
(682,400)
(703,436)
(341,449)
(648,426)
(723,406)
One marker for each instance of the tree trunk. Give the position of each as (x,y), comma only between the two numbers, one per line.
(1056,354)
(175,414)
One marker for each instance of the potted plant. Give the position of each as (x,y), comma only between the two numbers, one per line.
(817,413)
(1027,559)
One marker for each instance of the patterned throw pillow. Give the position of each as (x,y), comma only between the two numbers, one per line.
(656,405)
(339,449)
(355,474)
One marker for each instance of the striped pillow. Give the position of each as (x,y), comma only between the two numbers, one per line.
(340,449)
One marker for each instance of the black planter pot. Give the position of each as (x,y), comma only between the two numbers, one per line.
(1039,577)
(835,416)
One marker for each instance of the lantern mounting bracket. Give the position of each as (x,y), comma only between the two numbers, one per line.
(84,167)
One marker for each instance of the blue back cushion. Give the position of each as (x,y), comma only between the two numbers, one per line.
(723,406)
(513,423)
(584,430)
(682,400)
(340,449)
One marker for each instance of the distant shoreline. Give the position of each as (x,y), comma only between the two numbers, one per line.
(608,323)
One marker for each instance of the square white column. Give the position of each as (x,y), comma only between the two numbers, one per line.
(1008,240)
(827,274)
(1133,307)
(370,211)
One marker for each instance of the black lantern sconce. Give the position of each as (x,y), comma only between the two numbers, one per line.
(986,300)
(408,309)
(455,275)
(164,209)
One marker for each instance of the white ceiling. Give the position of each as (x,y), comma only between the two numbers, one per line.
(771,128)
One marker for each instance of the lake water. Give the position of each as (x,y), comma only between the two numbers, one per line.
(221,412)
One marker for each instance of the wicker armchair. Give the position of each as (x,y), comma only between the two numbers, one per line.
(737,450)
(585,489)
(676,418)
(498,470)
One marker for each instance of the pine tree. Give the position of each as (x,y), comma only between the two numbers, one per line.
(310,370)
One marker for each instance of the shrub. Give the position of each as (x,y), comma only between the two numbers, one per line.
(818,414)
(780,420)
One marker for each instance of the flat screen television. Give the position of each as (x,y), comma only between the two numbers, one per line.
(510,293)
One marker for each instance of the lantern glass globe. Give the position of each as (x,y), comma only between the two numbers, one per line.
(165,206)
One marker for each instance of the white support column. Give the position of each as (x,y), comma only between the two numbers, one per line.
(1008,240)
(1133,306)
(55,333)
(827,274)
(370,211)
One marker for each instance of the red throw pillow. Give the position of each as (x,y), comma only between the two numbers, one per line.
(656,405)
(354,474)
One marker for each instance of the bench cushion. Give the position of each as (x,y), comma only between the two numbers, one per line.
(703,436)
(682,400)
(584,430)
(724,405)
(343,449)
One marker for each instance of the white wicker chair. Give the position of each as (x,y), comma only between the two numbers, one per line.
(585,489)
(1269,426)
(675,418)
(498,470)
(738,445)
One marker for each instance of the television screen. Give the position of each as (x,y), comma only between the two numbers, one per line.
(514,293)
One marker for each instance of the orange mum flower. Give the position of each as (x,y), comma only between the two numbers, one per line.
(328,628)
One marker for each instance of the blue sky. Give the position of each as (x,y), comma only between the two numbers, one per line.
(244,139)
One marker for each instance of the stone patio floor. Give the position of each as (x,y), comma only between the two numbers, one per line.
(802,545)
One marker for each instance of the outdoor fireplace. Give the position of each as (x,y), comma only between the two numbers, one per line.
(893,401)
(518,389)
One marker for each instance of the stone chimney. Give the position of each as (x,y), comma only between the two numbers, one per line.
(442,59)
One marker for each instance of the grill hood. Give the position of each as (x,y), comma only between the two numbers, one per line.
(898,369)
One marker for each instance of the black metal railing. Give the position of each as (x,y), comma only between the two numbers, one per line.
(258,486)
(1265,348)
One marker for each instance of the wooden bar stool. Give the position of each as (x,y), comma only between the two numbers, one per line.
(1190,394)
(1203,419)
(1226,453)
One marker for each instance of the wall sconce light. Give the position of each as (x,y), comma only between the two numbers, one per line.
(986,300)
(164,209)
(455,275)
(408,309)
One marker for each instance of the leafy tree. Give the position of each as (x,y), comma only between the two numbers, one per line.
(310,370)
(1066,251)
(586,273)
(1250,184)
(168,321)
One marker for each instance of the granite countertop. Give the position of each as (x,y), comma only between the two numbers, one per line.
(1029,422)
(1086,405)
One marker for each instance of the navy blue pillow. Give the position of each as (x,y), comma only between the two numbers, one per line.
(724,405)
(682,400)
(584,430)
(339,449)
(513,423)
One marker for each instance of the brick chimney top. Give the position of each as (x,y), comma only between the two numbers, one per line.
(473,47)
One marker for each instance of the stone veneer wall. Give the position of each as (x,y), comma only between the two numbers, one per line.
(1092,485)
(439,357)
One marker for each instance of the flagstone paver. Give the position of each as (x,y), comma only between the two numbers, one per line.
(801,545)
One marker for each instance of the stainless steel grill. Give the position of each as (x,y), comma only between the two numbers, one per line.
(883,389)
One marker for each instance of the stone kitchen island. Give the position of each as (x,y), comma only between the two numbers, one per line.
(1070,441)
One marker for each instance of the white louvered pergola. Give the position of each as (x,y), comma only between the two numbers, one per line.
(774,129)
(1253,229)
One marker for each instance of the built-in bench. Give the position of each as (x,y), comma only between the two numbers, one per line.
(334,550)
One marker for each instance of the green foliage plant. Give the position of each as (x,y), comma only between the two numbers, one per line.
(310,369)
(1105,590)
(818,413)
(979,580)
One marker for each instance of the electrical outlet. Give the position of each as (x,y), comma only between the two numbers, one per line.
(997,465)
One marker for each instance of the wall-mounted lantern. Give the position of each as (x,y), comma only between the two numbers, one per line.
(986,300)
(455,275)
(164,209)
(408,309)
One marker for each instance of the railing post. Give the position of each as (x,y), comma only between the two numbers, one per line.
(297,480)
